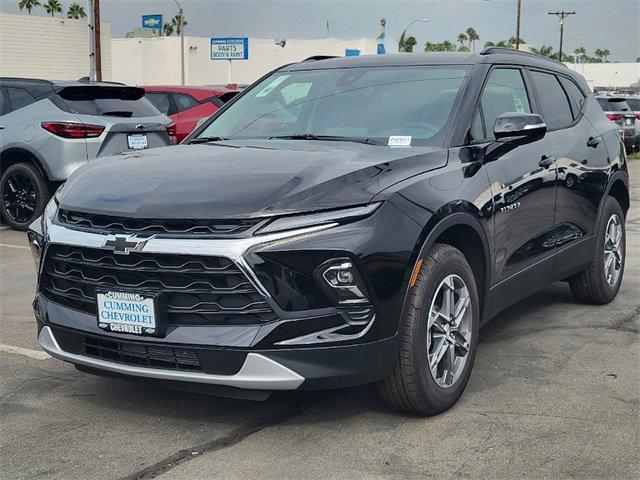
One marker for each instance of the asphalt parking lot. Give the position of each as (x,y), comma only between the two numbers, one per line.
(555,393)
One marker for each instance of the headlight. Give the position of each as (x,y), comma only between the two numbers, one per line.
(312,219)
(38,229)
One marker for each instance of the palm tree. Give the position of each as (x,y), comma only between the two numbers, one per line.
(410,43)
(581,54)
(472,36)
(52,7)
(599,53)
(512,41)
(28,4)
(462,38)
(605,54)
(544,50)
(178,22)
(167,29)
(76,11)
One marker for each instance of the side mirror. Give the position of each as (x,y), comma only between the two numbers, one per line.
(519,128)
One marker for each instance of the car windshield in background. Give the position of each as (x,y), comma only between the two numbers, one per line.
(349,103)
(105,101)
(614,104)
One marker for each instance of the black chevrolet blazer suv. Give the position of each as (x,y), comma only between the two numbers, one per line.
(342,221)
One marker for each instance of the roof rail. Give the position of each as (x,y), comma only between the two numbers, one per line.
(507,50)
(315,58)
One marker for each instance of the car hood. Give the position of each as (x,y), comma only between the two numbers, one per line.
(246,179)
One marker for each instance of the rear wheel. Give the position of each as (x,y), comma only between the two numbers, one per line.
(24,193)
(439,336)
(599,284)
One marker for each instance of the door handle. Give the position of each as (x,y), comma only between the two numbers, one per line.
(546,161)
(593,142)
(1,127)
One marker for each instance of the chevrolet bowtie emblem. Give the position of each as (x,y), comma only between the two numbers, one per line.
(124,244)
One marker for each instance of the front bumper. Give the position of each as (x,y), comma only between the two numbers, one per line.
(301,349)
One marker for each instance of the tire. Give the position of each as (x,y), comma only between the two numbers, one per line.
(412,387)
(23,177)
(593,285)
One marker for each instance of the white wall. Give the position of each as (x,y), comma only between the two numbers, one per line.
(147,61)
(49,48)
(615,75)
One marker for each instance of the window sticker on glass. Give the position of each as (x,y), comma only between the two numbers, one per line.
(400,141)
(274,83)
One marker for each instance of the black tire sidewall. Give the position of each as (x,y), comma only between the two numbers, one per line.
(607,291)
(42,193)
(451,262)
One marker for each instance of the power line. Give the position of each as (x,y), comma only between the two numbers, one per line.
(561,16)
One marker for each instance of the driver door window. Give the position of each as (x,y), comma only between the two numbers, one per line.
(504,92)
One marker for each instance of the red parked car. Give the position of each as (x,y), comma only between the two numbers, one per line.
(188,105)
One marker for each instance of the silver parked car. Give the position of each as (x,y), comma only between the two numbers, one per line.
(48,129)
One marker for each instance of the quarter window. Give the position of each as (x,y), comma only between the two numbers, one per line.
(19,98)
(161,101)
(576,97)
(185,102)
(554,102)
(504,92)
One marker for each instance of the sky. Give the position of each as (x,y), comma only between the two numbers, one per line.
(604,24)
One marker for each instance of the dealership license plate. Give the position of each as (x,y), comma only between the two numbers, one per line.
(137,141)
(123,312)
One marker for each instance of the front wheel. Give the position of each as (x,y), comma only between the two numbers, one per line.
(439,336)
(24,193)
(599,284)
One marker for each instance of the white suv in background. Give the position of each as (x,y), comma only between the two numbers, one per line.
(48,129)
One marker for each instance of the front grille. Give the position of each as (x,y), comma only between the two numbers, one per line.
(197,290)
(111,224)
(143,355)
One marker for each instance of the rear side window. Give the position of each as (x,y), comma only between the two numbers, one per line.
(19,98)
(504,92)
(4,103)
(576,97)
(105,101)
(215,101)
(184,102)
(161,101)
(556,111)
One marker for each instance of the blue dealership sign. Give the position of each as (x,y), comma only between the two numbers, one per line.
(152,21)
(351,52)
(230,48)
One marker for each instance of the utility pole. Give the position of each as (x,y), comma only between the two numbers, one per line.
(518,2)
(181,43)
(561,16)
(96,29)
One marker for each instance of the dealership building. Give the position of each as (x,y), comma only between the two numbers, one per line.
(58,48)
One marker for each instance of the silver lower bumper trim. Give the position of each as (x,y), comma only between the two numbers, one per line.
(257,373)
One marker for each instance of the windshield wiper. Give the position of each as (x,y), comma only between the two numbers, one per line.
(206,139)
(326,138)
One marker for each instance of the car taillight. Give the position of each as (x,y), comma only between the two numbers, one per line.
(614,117)
(637,116)
(73,130)
(172,131)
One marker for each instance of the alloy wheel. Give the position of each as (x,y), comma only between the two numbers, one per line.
(613,250)
(449,331)
(19,196)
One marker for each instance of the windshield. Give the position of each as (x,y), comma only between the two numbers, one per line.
(366,103)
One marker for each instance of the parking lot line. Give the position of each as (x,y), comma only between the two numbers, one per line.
(27,352)
(4,228)
(8,245)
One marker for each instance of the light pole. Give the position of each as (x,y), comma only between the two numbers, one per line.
(418,20)
(518,5)
(181,42)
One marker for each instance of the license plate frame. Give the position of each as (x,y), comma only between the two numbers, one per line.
(155,327)
(137,141)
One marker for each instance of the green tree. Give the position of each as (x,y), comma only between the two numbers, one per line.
(28,4)
(544,50)
(52,7)
(462,38)
(581,54)
(167,29)
(76,11)
(512,41)
(472,36)
(605,54)
(178,22)
(599,53)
